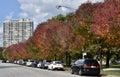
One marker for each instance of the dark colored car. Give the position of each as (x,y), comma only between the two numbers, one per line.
(86,67)
(4,61)
(34,64)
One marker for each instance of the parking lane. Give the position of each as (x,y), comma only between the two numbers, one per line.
(14,70)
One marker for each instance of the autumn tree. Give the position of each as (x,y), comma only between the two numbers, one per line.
(106,24)
(1,53)
(51,37)
(82,22)
(17,51)
(59,17)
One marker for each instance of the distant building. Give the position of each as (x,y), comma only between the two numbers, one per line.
(15,31)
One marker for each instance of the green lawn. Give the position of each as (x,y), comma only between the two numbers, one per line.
(67,68)
(115,66)
(110,73)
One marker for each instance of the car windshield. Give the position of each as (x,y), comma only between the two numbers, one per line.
(91,62)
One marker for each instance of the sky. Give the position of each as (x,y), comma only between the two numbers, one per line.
(37,10)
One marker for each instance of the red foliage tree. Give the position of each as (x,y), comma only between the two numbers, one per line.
(18,51)
(106,20)
(52,33)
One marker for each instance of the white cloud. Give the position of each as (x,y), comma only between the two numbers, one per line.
(41,10)
(10,16)
(23,15)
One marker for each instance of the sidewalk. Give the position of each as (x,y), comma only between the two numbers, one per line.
(111,76)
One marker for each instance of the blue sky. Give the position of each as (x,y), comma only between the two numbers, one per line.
(7,8)
(37,10)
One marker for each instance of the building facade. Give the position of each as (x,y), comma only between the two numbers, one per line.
(15,31)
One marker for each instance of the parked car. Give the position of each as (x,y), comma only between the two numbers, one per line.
(35,62)
(39,65)
(21,62)
(45,64)
(25,61)
(55,65)
(29,63)
(4,61)
(86,66)
(7,61)
(15,62)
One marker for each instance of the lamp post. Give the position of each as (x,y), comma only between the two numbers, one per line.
(67,7)
(67,53)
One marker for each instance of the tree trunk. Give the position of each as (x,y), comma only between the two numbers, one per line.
(68,59)
(101,58)
(107,59)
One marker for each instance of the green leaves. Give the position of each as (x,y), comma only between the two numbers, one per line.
(59,17)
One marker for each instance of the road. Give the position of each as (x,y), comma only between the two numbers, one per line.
(13,70)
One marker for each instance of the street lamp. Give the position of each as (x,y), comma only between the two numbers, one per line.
(67,54)
(60,6)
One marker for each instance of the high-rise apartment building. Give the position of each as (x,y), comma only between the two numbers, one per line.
(15,31)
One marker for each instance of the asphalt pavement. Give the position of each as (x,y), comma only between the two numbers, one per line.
(14,70)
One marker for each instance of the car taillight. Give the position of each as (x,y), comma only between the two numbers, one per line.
(91,66)
(86,66)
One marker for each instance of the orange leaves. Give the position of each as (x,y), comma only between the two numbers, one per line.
(18,51)
(107,21)
(49,37)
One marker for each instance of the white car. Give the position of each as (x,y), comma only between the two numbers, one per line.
(29,63)
(39,65)
(55,65)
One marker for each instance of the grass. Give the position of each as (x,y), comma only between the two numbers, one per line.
(115,66)
(66,68)
(110,73)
